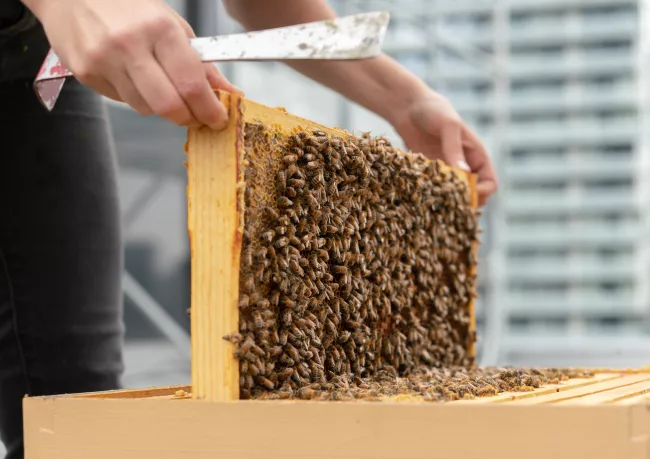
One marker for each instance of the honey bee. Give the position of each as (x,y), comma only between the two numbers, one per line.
(291,192)
(283,263)
(286,317)
(288,361)
(290,159)
(275,298)
(233,338)
(266,383)
(253,370)
(297,140)
(285,373)
(293,171)
(312,201)
(307,394)
(283,201)
(249,283)
(282,242)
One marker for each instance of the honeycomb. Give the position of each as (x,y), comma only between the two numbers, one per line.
(356,264)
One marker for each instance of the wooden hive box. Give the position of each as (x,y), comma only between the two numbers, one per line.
(603,416)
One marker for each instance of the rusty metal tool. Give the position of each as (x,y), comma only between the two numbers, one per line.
(358,36)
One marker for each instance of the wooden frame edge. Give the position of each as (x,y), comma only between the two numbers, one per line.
(215,226)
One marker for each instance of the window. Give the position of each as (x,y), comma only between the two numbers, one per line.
(533,220)
(610,287)
(537,86)
(622,150)
(609,184)
(542,287)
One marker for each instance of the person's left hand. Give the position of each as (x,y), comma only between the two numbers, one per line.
(431,126)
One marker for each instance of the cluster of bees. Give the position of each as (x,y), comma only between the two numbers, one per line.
(356,264)
(430,384)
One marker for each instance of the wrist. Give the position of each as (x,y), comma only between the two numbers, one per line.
(37,7)
(404,89)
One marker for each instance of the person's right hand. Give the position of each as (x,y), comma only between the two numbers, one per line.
(137,52)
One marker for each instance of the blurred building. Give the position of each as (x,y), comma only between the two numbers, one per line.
(558,90)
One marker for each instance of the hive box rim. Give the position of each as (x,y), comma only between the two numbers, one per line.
(79,426)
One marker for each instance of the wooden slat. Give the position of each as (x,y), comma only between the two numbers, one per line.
(614,395)
(151,392)
(548,389)
(215,245)
(624,381)
(637,399)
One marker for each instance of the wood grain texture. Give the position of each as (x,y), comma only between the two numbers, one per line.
(605,424)
(563,386)
(215,239)
(149,392)
(72,428)
(626,384)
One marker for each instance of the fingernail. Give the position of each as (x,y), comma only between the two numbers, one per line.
(463,165)
(219,125)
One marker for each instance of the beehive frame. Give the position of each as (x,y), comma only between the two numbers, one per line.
(216,221)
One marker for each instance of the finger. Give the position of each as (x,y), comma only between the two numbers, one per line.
(109,91)
(102,86)
(215,78)
(187,28)
(151,81)
(185,71)
(479,162)
(128,93)
(452,145)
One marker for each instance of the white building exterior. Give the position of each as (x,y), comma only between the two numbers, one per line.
(563,105)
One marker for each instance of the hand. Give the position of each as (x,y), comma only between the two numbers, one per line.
(430,125)
(135,52)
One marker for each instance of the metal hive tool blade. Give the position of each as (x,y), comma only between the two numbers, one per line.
(358,36)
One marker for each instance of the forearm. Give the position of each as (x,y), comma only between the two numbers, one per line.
(360,81)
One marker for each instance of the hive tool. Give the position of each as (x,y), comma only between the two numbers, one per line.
(358,36)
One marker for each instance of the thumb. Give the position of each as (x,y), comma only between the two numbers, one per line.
(452,146)
(436,118)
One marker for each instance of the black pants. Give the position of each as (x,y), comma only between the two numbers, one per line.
(61,328)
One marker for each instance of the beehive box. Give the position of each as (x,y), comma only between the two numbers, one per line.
(602,417)
(331,266)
